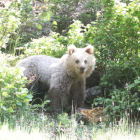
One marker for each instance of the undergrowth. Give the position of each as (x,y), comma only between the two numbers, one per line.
(39,126)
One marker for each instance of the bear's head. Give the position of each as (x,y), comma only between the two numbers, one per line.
(80,61)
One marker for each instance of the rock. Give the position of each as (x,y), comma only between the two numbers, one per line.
(92,93)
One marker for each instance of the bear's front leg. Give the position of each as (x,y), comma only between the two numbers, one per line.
(55,98)
(58,94)
(78,93)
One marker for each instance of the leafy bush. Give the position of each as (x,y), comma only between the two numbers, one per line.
(8,24)
(116,39)
(13,95)
(76,34)
(56,45)
(19,24)
(121,104)
(65,11)
(63,119)
(45,46)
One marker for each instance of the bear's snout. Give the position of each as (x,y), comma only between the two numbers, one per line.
(82,69)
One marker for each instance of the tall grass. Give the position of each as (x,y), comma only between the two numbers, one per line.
(43,127)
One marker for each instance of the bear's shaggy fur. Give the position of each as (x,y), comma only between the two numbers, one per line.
(63,80)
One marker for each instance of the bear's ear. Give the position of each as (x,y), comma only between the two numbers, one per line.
(71,49)
(89,49)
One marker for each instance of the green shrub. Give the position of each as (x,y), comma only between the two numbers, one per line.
(121,104)
(8,25)
(116,39)
(63,119)
(56,45)
(19,24)
(76,34)
(14,98)
(65,11)
(45,46)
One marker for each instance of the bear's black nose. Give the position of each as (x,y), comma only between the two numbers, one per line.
(82,69)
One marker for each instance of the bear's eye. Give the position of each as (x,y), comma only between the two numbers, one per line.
(85,61)
(76,61)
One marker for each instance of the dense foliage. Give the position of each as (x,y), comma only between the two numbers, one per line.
(20,23)
(14,97)
(112,27)
(66,11)
(116,38)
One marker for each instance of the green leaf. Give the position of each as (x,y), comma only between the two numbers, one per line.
(96,103)
(19,103)
(113,97)
(54,23)
(132,85)
(138,88)
(39,26)
(117,107)
(88,15)
(30,96)
(4,108)
(26,100)
(107,100)
(5,94)
(43,14)
(10,109)
(137,81)
(132,104)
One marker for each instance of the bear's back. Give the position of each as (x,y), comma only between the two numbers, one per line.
(37,60)
(38,65)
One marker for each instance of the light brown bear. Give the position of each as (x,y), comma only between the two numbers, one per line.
(63,80)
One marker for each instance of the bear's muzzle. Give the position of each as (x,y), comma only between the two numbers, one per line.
(82,69)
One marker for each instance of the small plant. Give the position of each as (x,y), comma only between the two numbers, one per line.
(56,45)
(14,96)
(45,45)
(121,104)
(64,12)
(8,25)
(63,119)
(76,34)
(19,23)
(115,37)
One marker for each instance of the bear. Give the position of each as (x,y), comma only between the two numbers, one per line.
(62,79)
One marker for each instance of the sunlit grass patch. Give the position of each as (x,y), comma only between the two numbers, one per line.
(50,130)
